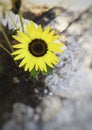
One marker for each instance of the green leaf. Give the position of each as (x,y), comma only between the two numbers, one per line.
(49,70)
(34,73)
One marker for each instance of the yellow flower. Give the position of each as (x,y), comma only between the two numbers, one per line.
(36,48)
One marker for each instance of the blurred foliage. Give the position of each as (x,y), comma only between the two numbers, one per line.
(3,7)
(16,4)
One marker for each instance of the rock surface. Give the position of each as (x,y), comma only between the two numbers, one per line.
(69,103)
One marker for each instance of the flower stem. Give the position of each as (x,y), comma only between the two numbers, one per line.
(8,42)
(5,49)
(13,21)
(21,20)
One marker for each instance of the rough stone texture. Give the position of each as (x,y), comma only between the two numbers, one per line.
(72,78)
(69,105)
(75,61)
(70,5)
(48,104)
(21,118)
(74,115)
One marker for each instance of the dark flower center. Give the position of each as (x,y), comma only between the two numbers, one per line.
(38,47)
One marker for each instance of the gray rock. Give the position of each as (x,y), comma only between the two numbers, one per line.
(74,115)
(68,79)
(50,107)
(69,105)
(21,118)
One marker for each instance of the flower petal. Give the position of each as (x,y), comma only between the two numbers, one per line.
(24,36)
(23,62)
(46,31)
(21,39)
(41,64)
(20,56)
(28,28)
(33,26)
(55,47)
(20,45)
(28,59)
(51,58)
(52,33)
(20,51)
(51,39)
